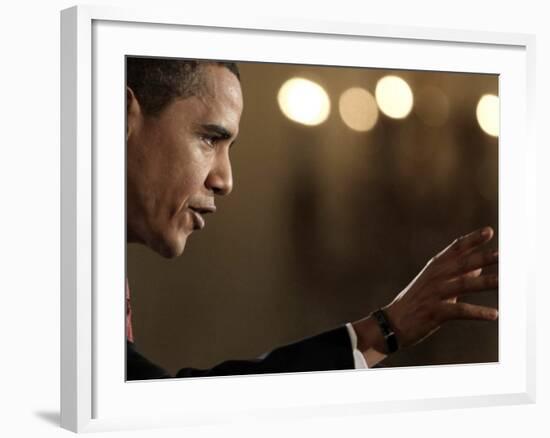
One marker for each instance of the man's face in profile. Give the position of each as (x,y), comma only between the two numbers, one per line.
(179,159)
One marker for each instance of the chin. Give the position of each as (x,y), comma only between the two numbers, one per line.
(169,252)
(170,246)
(166,240)
(174,248)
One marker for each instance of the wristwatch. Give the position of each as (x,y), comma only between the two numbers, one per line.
(389,335)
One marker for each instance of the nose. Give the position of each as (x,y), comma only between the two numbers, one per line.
(220,178)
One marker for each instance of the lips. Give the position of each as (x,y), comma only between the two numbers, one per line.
(198,212)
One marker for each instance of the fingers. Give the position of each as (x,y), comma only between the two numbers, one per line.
(466,242)
(463,285)
(471,274)
(470,262)
(468,311)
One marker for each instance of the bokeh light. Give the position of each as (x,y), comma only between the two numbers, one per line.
(358,109)
(304,101)
(431,105)
(488,114)
(394,97)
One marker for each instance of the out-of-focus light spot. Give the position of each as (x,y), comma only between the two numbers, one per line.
(304,101)
(488,114)
(358,109)
(394,97)
(432,106)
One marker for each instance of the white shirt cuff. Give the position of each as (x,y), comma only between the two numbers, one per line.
(358,357)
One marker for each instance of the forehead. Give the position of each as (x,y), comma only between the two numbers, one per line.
(220,93)
(218,81)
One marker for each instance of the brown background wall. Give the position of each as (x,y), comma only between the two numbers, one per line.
(324,225)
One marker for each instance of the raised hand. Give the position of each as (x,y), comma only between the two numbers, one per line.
(431,298)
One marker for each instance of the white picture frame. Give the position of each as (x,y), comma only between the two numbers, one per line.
(93,397)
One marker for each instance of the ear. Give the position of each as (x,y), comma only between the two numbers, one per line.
(133,112)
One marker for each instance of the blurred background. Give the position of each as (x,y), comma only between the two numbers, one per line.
(346,182)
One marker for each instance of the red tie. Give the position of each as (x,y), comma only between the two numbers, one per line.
(129,332)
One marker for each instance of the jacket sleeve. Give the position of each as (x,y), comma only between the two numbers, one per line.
(138,367)
(330,350)
(327,351)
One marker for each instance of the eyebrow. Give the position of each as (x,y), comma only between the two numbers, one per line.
(220,131)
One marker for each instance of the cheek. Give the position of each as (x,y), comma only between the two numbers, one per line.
(188,178)
(174,170)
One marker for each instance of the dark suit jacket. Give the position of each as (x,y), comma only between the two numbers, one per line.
(330,350)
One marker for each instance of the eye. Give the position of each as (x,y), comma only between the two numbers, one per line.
(210,140)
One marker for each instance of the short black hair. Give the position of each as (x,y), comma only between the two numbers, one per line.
(156,82)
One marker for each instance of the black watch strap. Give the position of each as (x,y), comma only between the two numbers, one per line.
(387,331)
